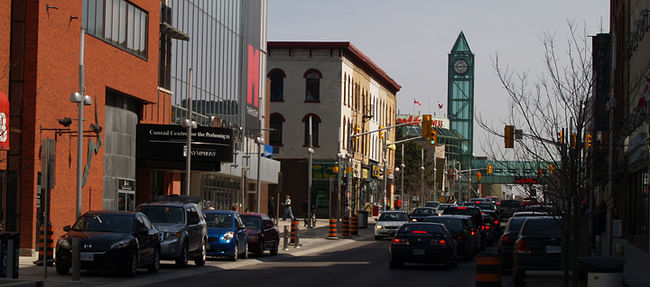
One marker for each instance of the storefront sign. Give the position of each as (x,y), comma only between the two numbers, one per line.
(164,146)
(323,171)
(438,122)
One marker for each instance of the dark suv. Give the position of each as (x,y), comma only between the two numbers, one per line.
(474,212)
(183,231)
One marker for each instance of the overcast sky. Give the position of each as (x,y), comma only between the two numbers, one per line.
(411,40)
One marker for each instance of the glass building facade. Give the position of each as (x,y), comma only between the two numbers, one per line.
(460,97)
(215,54)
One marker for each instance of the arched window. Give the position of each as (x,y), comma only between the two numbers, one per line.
(276,123)
(312,85)
(315,123)
(276,76)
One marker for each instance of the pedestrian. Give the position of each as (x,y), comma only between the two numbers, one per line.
(271,207)
(287,208)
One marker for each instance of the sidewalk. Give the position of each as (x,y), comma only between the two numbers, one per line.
(310,242)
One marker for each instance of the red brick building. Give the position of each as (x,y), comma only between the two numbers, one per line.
(121,68)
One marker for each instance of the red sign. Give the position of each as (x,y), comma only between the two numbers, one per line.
(525,180)
(4,122)
(416,120)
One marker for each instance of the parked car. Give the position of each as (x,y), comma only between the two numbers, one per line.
(111,239)
(495,199)
(263,234)
(461,227)
(539,207)
(530,213)
(423,242)
(227,234)
(508,207)
(421,213)
(183,231)
(538,247)
(389,222)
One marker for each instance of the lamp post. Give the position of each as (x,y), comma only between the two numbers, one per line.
(189,124)
(422,177)
(395,184)
(402,165)
(260,141)
(385,174)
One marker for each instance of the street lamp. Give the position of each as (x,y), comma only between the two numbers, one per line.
(397,174)
(403,166)
(82,101)
(260,141)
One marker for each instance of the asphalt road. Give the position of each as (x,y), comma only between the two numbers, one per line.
(361,263)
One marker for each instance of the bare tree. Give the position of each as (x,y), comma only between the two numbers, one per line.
(553,112)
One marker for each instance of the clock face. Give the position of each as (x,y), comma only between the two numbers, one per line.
(460,66)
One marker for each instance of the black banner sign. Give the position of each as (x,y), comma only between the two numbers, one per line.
(165,147)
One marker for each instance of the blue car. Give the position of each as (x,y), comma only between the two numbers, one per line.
(227,234)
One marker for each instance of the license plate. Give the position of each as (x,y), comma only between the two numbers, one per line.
(418,251)
(553,249)
(86,256)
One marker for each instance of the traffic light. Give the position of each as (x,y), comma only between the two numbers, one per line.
(588,141)
(509,136)
(540,172)
(381,132)
(426,126)
(574,140)
(478,176)
(489,169)
(550,169)
(560,137)
(433,137)
(335,169)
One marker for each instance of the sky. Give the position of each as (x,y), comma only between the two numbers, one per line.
(411,39)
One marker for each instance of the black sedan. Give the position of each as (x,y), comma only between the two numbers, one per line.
(507,241)
(420,213)
(423,243)
(460,226)
(111,240)
(538,247)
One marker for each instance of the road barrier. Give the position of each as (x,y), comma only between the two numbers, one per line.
(354,225)
(49,238)
(488,270)
(331,234)
(294,227)
(345,227)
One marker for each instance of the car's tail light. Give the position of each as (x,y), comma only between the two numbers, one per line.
(496,222)
(486,227)
(461,207)
(462,236)
(419,232)
(400,241)
(473,232)
(522,247)
(506,238)
(440,242)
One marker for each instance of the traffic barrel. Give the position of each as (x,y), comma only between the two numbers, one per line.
(294,226)
(49,240)
(345,227)
(488,270)
(354,225)
(331,234)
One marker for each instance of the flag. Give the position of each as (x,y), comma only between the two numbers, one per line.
(439,105)
(415,102)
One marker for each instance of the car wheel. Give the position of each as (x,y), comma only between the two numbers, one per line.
(181,261)
(276,246)
(245,254)
(235,253)
(260,252)
(61,269)
(131,268)
(155,265)
(200,261)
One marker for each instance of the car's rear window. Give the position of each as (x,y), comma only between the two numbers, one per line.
(541,227)
(424,212)
(461,210)
(511,203)
(432,204)
(394,216)
(453,224)
(514,225)
(421,229)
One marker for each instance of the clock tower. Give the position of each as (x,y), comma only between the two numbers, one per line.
(460,99)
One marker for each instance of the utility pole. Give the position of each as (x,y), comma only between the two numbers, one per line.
(422,177)
(385,175)
(403,170)
(189,124)
(310,152)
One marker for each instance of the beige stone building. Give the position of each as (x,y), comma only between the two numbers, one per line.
(342,91)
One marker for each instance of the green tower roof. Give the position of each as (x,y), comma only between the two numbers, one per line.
(461,44)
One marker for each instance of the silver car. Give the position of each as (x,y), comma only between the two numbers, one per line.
(389,222)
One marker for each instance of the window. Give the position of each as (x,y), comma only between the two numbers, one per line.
(312,85)
(315,122)
(126,200)
(117,22)
(276,123)
(277,85)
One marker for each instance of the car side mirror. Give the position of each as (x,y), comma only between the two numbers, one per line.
(242,227)
(66,228)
